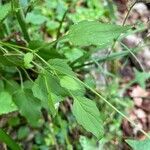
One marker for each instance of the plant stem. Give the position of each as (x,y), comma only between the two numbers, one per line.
(21,19)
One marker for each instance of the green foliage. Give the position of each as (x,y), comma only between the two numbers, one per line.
(27,60)
(141,78)
(87,114)
(4,11)
(69,83)
(6,103)
(39,80)
(9,141)
(87,33)
(36,19)
(61,67)
(139,145)
(28,106)
(23,132)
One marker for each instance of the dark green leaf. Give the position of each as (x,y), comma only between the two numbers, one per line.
(45,50)
(28,105)
(48,90)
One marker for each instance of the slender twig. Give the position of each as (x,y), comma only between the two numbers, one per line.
(61,23)
(124,21)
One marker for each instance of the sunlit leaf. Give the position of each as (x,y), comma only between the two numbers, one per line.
(4,11)
(28,57)
(94,33)
(88,115)
(139,145)
(6,103)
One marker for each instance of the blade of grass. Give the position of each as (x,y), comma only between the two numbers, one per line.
(5,138)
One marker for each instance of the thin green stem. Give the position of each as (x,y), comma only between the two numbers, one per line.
(134,56)
(61,23)
(127,15)
(124,21)
(21,19)
(21,79)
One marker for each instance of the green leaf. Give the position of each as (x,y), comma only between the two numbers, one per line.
(4,11)
(88,144)
(28,57)
(1,85)
(35,18)
(11,86)
(69,83)
(94,33)
(9,141)
(61,66)
(6,103)
(11,60)
(88,115)
(23,132)
(45,50)
(141,77)
(47,88)
(29,106)
(73,53)
(139,145)
(40,88)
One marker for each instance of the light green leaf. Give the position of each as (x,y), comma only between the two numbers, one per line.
(4,11)
(28,57)
(87,144)
(141,77)
(29,106)
(88,115)
(6,103)
(139,145)
(69,83)
(36,18)
(61,66)
(73,53)
(94,33)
